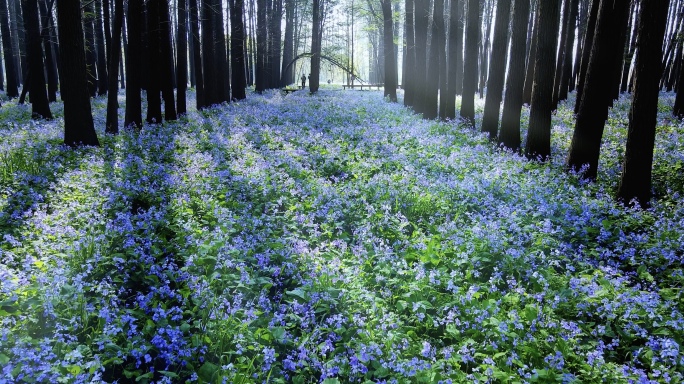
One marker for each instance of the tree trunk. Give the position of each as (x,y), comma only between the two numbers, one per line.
(154,108)
(182,59)
(91,52)
(531,57)
(470,62)
(586,52)
(316,34)
(261,47)
(10,60)
(455,61)
(390,58)
(196,53)
(565,26)
(432,78)
(102,78)
(538,143)
(18,22)
(237,49)
(48,47)
(619,47)
(582,29)
(566,69)
(624,86)
(286,78)
(166,60)
(485,48)
(509,135)
(591,118)
(112,125)
(275,36)
(40,108)
(497,70)
(134,64)
(421,16)
(678,108)
(78,119)
(409,64)
(635,181)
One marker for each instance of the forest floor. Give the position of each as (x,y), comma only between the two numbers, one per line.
(335,238)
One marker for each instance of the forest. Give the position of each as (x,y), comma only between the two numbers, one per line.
(341,191)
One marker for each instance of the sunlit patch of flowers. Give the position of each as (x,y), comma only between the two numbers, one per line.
(334,238)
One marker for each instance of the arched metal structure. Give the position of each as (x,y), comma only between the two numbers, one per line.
(329,59)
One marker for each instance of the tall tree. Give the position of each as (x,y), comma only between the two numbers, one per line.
(262,46)
(10,61)
(408,80)
(497,70)
(435,63)
(102,78)
(531,55)
(166,60)
(566,67)
(39,101)
(78,119)
(182,59)
(196,52)
(112,123)
(564,26)
(237,56)
(220,55)
(678,108)
(287,78)
(591,118)
(275,35)
(470,62)
(316,37)
(134,64)
(635,181)
(586,51)
(454,59)
(538,143)
(390,59)
(50,50)
(421,16)
(91,50)
(509,135)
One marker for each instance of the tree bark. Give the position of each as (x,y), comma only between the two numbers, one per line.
(390,59)
(470,62)
(10,60)
(154,108)
(538,143)
(262,46)
(566,69)
(509,135)
(497,70)
(286,78)
(166,60)
(237,50)
(40,108)
(196,53)
(531,57)
(78,119)
(91,52)
(455,59)
(48,47)
(182,59)
(102,78)
(134,64)
(408,80)
(432,78)
(591,118)
(586,52)
(112,124)
(561,51)
(635,181)
(316,34)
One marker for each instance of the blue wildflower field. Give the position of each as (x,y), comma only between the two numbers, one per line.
(336,239)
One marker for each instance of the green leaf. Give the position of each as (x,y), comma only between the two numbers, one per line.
(74,369)
(169,374)
(331,381)
(208,372)
(143,378)
(4,359)
(531,312)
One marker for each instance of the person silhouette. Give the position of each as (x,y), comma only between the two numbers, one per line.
(303,81)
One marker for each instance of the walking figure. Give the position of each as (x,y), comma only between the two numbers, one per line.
(303,81)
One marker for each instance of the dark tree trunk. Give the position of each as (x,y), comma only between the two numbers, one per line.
(509,135)
(237,50)
(275,36)
(102,78)
(441,46)
(91,52)
(565,26)
(191,49)
(619,55)
(50,60)
(288,45)
(455,61)
(635,182)
(112,125)
(591,118)
(2,74)
(432,78)
(166,56)
(21,38)
(222,91)
(390,58)
(624,86)
(182,57)
(408,80)
(497,70)
(8,52)
(538,143)
(78,119)
(485,48)
(678,108)
(134,64)
(316,34)
(17,47)
(40,107)
(421,16)
(261,47)
(531,57)
(196,53)
(154,107)
(470,62)
(582,29)
(208,54)
(566,71)
(586,52)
